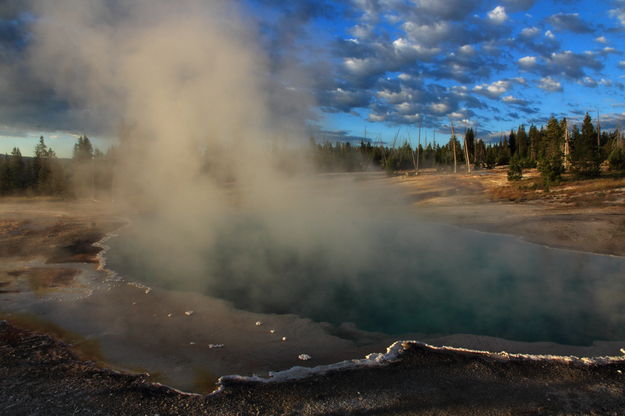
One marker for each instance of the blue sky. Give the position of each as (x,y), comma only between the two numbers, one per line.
(384,65)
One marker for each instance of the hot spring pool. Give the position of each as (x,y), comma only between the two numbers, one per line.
(407,277)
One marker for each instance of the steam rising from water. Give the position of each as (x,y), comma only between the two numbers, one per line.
(187,86)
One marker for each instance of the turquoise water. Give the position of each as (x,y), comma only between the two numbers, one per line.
(407,277)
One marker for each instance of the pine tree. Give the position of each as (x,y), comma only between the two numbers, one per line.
(550,165)
(5,174)
(469,138)
(534,141)
(515,170)
(83,170)
(522,142)
(512,143)
(585,156)
(41,166)
(83,149)
(17,170)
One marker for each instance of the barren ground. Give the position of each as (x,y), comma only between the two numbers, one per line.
(42,375)
(582,215)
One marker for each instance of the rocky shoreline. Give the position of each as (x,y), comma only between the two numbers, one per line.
(42,376)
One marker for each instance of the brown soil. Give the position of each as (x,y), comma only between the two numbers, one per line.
(580,215)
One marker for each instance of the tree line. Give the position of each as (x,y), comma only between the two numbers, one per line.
(554,149)
(86,173)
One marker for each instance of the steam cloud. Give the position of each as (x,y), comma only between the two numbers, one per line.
(190,88)
(191,94)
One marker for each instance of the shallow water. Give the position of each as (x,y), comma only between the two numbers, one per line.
(408,277)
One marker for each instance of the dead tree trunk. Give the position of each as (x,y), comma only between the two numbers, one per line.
(567,147)
(419,145)
(466,154)
(598,133)
(453,140)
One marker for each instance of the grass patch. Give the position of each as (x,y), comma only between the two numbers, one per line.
(570,190)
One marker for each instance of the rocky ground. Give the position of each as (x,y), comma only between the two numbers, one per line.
(42,376)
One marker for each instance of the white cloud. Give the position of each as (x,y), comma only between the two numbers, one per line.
(458,115)
(439,108)
(362,31)
(376,117)
(431,34)
(510,99)
(588,82)
(619,13)
(467,49)
(498,15)
(601,39)
(493,90)
(549,34)
(530,32)
(549,84)
(527,61)
(394,97)
(404,107)
(403,46)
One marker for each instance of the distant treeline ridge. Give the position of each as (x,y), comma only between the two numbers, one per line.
(554,149)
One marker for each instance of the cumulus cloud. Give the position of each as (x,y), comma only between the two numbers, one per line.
(498,15)
(514,100)
(619,11)
(527,61)
(569,64)
(432,33)
(589,82)
(549,84)
(530,32)
(569,22)
(395,58)
(339,99)
(606,82)
(572,64)
(493,90)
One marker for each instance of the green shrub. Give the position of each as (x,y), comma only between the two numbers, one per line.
(515,170)
(616,159)
(551,170)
